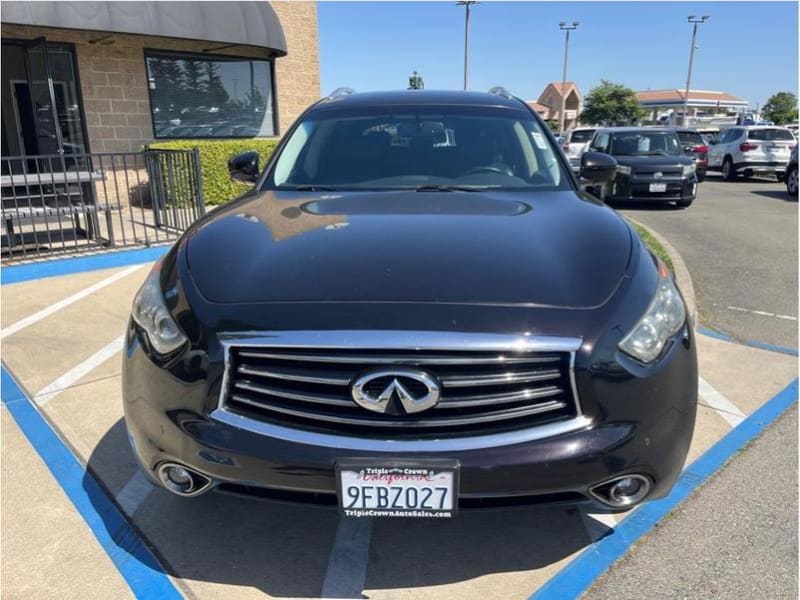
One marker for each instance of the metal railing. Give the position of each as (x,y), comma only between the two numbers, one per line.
(56,204)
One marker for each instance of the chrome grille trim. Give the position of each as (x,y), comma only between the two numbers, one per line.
(398,360)
(289,375)
(398,341)
(503,415)
(477,380)
(362,444)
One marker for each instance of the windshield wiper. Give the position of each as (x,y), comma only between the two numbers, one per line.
(455,188)
(312,188)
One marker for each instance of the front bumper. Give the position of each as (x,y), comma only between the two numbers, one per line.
(638,188)
(636,420)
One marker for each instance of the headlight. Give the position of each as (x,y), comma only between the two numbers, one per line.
(663,318)
(151,313)
(689,169)
(624,169)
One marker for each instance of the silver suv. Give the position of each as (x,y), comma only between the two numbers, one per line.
(575,143)
(750,150)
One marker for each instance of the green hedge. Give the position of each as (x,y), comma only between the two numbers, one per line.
(214,154)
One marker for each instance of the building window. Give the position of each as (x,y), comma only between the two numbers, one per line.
(197,96)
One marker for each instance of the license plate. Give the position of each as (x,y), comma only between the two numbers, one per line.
(658,187)
(397,489)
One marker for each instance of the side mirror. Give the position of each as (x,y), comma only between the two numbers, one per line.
(597,167)
(244,167)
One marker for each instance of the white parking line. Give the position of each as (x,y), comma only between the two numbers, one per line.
(347,564)
(46,312)
(69,378)
(724,407)
(598,524)
(763,313)
(134,492)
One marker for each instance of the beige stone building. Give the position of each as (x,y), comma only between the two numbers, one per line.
(548,106)
(82,77)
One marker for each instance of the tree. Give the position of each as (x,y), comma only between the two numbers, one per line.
(215,90)
(611,104)
(781,108)
(415,82)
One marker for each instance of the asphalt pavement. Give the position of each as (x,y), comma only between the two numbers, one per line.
(739,241)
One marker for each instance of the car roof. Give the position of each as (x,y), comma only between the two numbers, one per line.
(418,98)
(633,129)
(680,129)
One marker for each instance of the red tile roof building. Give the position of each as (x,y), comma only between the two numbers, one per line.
(548,106)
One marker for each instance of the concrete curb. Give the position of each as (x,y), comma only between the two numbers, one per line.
(682,276)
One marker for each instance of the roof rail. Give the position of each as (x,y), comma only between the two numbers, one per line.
(338,93)
(501,91)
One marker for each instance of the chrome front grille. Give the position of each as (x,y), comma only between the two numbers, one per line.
(482,391)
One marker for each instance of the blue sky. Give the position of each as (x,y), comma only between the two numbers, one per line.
(746,48)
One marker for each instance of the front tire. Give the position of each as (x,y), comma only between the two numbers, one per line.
(791,181)
(728,172)
(684,203)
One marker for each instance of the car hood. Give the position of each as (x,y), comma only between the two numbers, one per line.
(653,161)
(554,249)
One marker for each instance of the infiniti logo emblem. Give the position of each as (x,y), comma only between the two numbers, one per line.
(414,390)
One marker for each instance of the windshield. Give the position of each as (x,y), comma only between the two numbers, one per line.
(581,137)
(690,137)
(464,148)
(644,143)
(769,135)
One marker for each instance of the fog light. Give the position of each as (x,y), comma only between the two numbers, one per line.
(626,490)
(622,492)
(182,481)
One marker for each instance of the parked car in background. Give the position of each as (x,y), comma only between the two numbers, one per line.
(791,173)
(748,150)
(794,127)
(651,165)
(694,145)
(709,134)
(574,144)
(417,309)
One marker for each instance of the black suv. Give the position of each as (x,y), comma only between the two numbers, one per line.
(652,165)
(416,309)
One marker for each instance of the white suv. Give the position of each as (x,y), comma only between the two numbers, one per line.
(749,150)
(574,144)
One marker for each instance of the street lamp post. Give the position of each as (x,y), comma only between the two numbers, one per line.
(566,28)
(466,4)
(695,22)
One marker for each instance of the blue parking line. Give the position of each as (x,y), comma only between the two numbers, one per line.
(753,343)
(135,562)
(79,264)
(771,347)
(578,576)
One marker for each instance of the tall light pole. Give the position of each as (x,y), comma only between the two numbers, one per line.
(566,28)
(466,4)
(695,22)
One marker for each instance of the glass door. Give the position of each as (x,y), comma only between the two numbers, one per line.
(43,99)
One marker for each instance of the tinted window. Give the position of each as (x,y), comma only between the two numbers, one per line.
(644,143)
(691,138)
(600,142)
(400,148)
(196,96)
(582,136)
(770,134)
